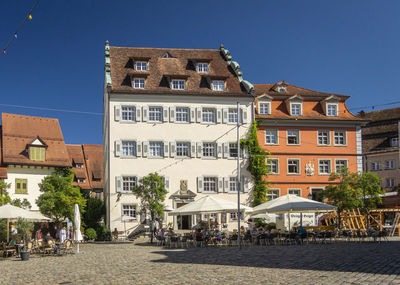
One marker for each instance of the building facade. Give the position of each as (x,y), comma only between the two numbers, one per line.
(173,112)
(308,135)
(381,150)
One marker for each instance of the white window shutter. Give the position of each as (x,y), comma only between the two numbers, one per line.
(192,149)
(219,116)
(225,115)
(199,115)
(165,114)
(117,148)
(145,149)
(117,113)
(200,184)
(243,116)
(138,114)
(172,111)
(245,183)
(219,150)
(226,149)
(138,148)
(220,185)
(193,115)
(226,184)
(199,149)
(166,183)
(118,184)
(172,149)
(166,149)
(145,113)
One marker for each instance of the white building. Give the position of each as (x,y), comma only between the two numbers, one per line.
(172,111)
(31,149)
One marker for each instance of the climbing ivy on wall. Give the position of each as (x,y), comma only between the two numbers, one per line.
(257,166)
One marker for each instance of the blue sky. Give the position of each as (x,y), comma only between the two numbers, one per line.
(346,47)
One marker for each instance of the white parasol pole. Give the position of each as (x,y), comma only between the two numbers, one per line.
(8,230)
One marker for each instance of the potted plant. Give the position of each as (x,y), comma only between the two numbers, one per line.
(24,229)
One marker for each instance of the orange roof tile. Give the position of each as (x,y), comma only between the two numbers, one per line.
(94,161)
(75,153)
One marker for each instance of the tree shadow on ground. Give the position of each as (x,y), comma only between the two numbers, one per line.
(375,258)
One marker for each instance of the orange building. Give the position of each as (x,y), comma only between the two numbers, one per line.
(308,134)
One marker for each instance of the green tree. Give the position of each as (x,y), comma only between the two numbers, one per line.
(257,166)
(4,197)
(59,196)
(25,204)
(345,194)
(151,191)
(94,213)
(24,228)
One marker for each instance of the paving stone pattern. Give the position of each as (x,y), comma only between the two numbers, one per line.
(343,263)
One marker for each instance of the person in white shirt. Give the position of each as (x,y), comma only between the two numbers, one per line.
(63,235)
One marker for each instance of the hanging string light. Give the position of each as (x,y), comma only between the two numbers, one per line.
(15,36)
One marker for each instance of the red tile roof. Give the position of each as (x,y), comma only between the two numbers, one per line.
(19,131)
(75,153)
(94,162)
(3,168)
(180,66)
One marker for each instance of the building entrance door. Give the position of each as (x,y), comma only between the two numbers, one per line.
(185,221)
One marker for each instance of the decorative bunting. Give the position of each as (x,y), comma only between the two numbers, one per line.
(15,36)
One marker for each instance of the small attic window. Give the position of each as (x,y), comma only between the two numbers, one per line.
(141,65)
(37,153)
(202,67)
(167,55)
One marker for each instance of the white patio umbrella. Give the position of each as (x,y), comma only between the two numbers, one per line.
(269,218)
(10,212)
(77,223)
(208,204)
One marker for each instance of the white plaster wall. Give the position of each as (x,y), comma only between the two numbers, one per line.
(34,176)
(175,168)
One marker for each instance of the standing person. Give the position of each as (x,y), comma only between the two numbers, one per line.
(63,235)
(156,226)
(39,235)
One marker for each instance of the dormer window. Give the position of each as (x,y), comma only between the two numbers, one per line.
(264,108)
(178,84)
(281,89)
(202,67)
(295,109)
(332,110)
(79,165)
(81,180)
(139,83)
(37,153)
(218,85)
(141,66)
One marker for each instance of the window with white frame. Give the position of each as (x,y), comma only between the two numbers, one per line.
(128,148)
(183,149)
(81,180)
(210,184)
(293,137)
(209,149)
(340,137)
(178,84)
(324,166)
(156,149)
(232,184)
(272,194)
(323,138)
(296,192)
(375,166)
(295,109)
(129,210)
(218,85)
(79,165)
(273,165)
(332,110)
(233,149)
(340,165)
(389,164)
(128,113)
(232,115)
(233,216)
(271,137)
(264,109)
(209,115)
(394,142)
(141,66)
(293,166)
(128,182)
(202,67)
(182,114)
(155,114)
(389,182)
(139,83)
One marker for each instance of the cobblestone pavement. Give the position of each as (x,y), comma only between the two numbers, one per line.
(341,263)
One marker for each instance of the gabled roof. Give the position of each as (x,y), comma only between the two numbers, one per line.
(75,153)
(94,163)
(3,168)
(180,63)
(19,131)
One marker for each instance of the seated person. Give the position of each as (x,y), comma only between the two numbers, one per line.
(301,231)
(160,235)
(48,237)
(218,237)
(198,235)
